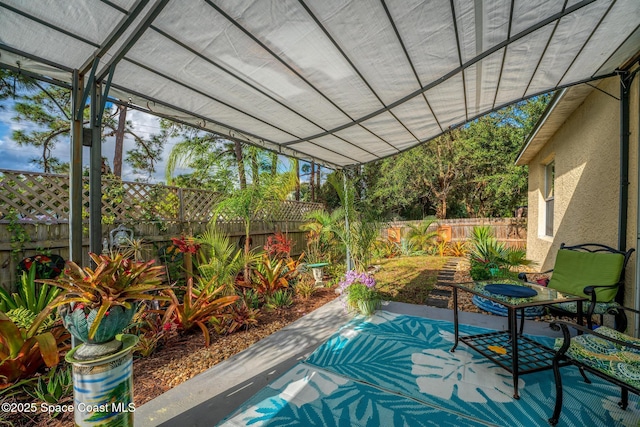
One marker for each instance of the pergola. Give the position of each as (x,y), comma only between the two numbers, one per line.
(339,82)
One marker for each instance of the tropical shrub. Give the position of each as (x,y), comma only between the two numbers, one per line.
(116,281)
(458,249)
(189,247)
(24,318)
(239,316)
(278,246)
(55,388)
(385,248)
(442,247)
(490,258)
(24,351)
(151,330)
(272,275)
(306,287)
(31,295)
(46,266)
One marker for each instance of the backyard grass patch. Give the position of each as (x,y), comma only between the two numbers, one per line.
(408,279)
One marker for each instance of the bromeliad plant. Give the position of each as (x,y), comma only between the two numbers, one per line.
(278,246)
(116,281)
(197,308)
(31,295)
(272,275)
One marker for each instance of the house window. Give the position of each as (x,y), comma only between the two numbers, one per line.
(549,178)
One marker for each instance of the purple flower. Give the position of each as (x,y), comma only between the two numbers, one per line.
(352,277)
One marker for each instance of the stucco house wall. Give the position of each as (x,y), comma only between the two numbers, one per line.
(585,149)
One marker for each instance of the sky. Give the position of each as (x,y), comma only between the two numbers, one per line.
(15,157)
(18,158)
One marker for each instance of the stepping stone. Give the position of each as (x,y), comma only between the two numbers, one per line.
(440,295)
(440,292)
(440,303)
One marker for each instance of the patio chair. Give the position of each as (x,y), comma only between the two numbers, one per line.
(604,352)
(595,271)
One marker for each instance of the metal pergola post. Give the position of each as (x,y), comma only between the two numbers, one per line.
(95,172)
(346,221)
(75,170)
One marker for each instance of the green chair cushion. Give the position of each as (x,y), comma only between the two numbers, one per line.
(612,359)
(575,270)
(601,307)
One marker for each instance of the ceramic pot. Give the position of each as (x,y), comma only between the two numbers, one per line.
(368,307)
(78,323)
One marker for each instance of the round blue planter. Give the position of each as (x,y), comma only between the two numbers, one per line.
(501,310)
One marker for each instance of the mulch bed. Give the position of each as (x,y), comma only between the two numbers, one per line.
(185,356)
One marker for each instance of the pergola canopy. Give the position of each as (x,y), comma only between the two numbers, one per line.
(336,81)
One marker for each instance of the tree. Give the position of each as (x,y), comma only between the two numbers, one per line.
(212,161)
(146,152)
(49,108)
(211,157)
(12,85)
(256,201)
(493,184)
(444,170)
(469,171)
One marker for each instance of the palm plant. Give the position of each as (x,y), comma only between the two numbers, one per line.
(360,236)
(321,229)
(420,236)
(256,201)
(220,261)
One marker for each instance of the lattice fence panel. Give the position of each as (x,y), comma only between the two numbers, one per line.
(199,205)
(45,198)
(34,196)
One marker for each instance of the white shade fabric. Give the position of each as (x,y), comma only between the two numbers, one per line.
(340,82)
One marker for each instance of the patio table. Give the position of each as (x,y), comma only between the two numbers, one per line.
(510,349)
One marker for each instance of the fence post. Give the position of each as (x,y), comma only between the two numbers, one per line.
(181,204)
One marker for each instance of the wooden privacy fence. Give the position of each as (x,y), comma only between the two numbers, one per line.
(511,231)
(34,217)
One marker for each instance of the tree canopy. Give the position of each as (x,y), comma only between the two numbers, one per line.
(467,172)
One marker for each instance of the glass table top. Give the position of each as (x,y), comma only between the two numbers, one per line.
(543,294)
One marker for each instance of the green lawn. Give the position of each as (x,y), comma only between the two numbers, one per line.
(408,279)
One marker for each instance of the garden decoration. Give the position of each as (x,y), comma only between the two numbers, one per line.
(104,386)
(316,269)
(96,306)
(358,293)
(120,236)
